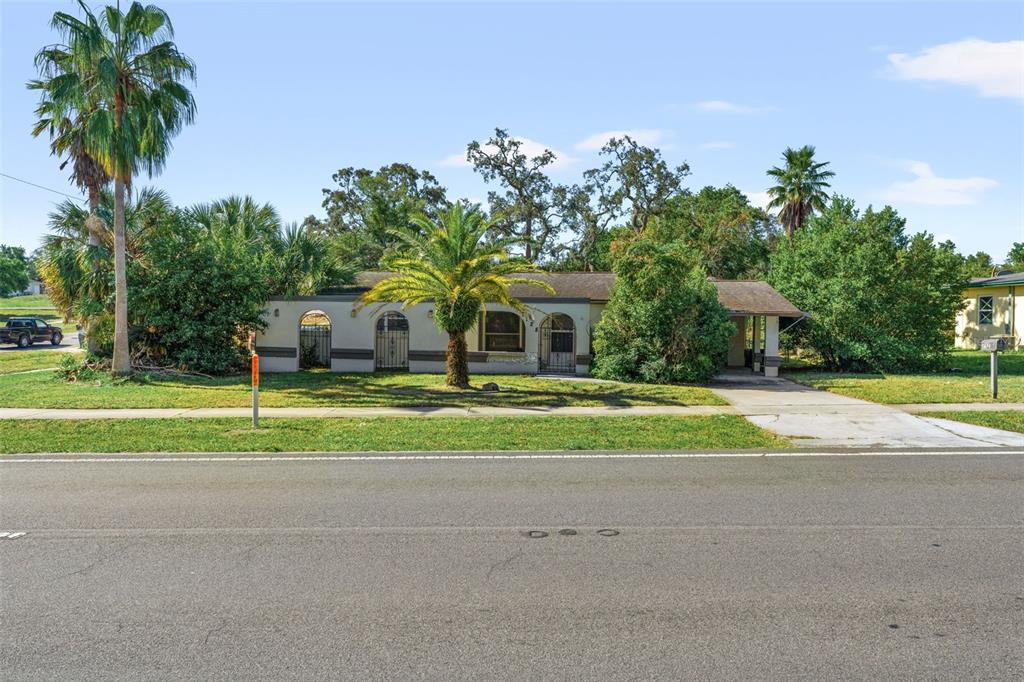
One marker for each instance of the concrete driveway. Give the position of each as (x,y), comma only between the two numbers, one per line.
(820,419)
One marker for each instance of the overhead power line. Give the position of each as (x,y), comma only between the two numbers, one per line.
(55,191)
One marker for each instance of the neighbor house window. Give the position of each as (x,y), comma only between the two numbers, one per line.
(503,332)
(984,310)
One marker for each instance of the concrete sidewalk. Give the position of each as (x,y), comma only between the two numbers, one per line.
(820,419)
(363,412)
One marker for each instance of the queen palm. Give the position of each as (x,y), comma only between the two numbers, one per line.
(800,187)
(137,102)
(451,265)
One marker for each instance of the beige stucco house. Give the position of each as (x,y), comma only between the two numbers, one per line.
(993,306)
(555,337)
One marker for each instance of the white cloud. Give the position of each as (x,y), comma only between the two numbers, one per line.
(722,106)
(717,145)
(994,69)
(644,136)
(527,146)
(932,190)
(758,199)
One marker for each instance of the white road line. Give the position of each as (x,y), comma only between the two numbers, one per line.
(403,457)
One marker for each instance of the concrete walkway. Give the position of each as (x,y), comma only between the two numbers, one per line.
(363,412)
(820,419)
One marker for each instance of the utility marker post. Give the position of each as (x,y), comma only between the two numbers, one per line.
(993,346)
(255,391)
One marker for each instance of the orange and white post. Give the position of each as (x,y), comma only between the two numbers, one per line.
(255,391)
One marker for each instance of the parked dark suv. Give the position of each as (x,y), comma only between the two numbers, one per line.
(25,331)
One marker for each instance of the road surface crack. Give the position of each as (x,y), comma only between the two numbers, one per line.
(504,563)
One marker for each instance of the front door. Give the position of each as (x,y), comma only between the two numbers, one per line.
(558,345)
(391,347)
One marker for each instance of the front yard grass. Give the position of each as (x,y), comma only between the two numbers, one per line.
(968,385)
(327,389)
(1008,420)
(381,434)
(23,360)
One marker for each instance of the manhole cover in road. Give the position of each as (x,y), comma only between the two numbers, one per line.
(535,533)
(567,531)
(608,532)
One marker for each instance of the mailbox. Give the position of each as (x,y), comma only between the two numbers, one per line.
(993,345)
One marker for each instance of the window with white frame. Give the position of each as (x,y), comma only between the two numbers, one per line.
(984,310)
(504,332)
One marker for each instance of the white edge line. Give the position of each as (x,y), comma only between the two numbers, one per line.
(499,457)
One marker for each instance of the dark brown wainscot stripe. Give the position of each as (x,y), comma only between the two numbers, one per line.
(277,352)
(352,354)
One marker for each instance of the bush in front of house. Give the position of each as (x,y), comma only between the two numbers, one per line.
(196,298)
(663,323)
(878,298)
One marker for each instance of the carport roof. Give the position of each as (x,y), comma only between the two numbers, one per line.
(742,297)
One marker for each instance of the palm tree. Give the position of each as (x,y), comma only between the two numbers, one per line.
(800,187)
(133,72)
(75,262)
(66,99)
(238,218)
(450,264)
(306,263)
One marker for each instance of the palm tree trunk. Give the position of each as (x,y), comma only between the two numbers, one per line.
(94,224)
(121,364)
(458,362)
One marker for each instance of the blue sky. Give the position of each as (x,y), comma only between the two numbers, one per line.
(917,105)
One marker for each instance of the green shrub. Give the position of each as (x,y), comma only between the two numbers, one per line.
(878,299)
(664,322)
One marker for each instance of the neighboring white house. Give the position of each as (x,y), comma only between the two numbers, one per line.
(992,305)
(35,287)
(555,337)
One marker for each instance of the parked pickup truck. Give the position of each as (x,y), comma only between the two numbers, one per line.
(25,331)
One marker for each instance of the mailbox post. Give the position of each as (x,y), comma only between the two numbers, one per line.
(993,346)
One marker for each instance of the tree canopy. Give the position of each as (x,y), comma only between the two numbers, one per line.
(879,299)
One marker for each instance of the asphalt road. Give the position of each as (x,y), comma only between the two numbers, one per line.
(896,567)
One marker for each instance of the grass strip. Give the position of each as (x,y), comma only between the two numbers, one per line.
(384,434)
(1008,420)
(327,389)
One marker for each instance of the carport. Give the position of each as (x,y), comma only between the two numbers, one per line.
(757,310)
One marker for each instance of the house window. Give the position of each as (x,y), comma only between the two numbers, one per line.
(984,310)
(503,332)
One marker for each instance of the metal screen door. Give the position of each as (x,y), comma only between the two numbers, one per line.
(391,348)
(314,341)
(558,344)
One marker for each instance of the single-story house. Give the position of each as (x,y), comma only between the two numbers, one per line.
(992,307)
(555,337)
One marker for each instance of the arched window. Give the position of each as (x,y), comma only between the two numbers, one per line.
(503,332)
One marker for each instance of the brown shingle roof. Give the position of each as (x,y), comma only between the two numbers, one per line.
(744,297)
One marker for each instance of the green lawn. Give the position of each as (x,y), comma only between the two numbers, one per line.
(19,360)
(385,434)
(20,302)
(1008,420)
(326,389)
(969,385)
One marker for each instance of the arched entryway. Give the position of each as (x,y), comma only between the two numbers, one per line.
(314,340)
(391,345)
(558,344)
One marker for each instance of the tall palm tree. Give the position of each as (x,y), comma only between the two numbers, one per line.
(800,187)
(450,264)
(306,263)
(135,75)
(238,218)
(67,97)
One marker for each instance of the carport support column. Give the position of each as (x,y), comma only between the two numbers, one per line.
(756,347)
(771,346)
